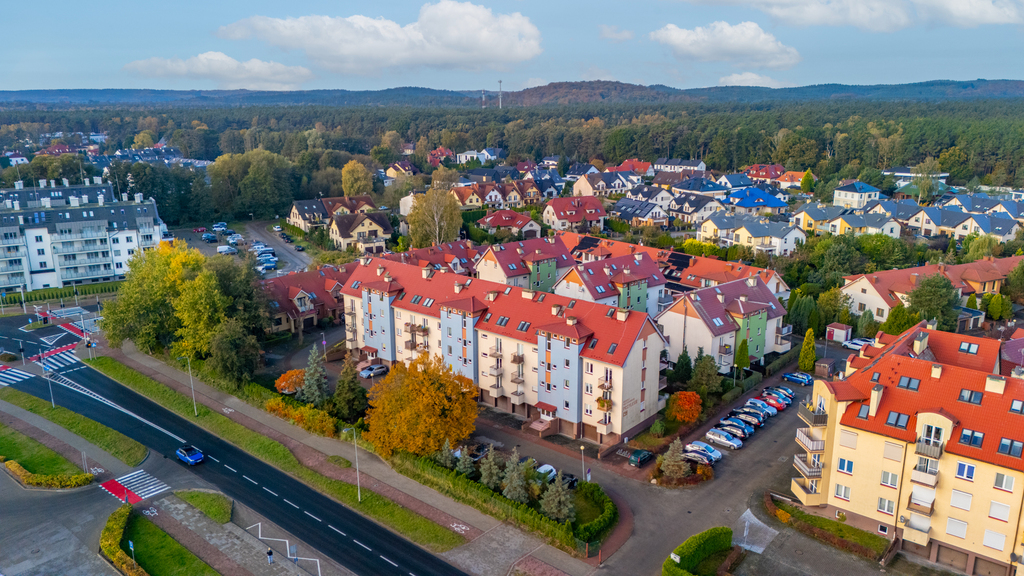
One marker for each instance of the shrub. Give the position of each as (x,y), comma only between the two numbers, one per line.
(290,381)
(751,381)
(732,394)
(110,542)
(47,480)
(695,549)
(8,357)
(782,361)
(783,516)
(609,515)
(658,428)
(307,417)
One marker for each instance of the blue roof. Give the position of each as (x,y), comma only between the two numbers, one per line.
(755,198)
(859,187)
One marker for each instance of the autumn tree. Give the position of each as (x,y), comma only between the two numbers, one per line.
(314,388)
(290,381)
(557,502)
(926,179)
(392,140)
(356,180)
(435,218)
(444,178)
(200,308)
(419,406)
(349,395)
(808,355)
(490,470)
(684,407)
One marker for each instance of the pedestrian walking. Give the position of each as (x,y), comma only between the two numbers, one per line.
(270,556)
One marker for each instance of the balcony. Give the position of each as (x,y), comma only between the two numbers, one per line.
(8,269)
(662,383)
(350,312)
(494,352)
(604,382)
(924,477)
(82,262)
(803,438)
(517,359)
(806,469)
(806,494)
(495,370)
(929,448)
(604,427)
(82,234)
(917,536)
(785,330)
(725,349)
(924,508)
(21,252)
(665,298)
(518,379)
(18,240)
(604,404)
(410,345)
(350,327)
(518,397)
(87,274)
(812,416)
(90,247)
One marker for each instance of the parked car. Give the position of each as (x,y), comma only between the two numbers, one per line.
(778,396)
(277,228)
(771,410)
(209,238)
(747,428)
(189,455)
(288,240)
(698,446)
(227,250)
(857,343)
(699,458)
(798,378)
(640,457)
(772,401)
(476,453)
(200,229)
(570,481)
(547,473)
(784,389)
(750,416)
(266,267)
(723,438)
(375,370)
(299,248)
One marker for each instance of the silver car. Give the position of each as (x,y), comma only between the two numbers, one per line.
(723,438)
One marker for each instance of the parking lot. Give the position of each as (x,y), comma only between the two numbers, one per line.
(288,259)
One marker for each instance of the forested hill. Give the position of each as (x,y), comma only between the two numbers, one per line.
(555,93)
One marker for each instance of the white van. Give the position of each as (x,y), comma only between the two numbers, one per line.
(226,250)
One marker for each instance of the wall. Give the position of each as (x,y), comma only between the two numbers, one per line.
(379,325)
(869,297)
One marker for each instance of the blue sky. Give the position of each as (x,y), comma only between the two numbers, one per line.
(187,44)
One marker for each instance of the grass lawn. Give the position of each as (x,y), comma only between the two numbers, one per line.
(339,461)
(415,527)
(159,554)
(109,440)
(648,441)
(216,506)
(709,566)
(840,529)
(32,455)
(586,509)
(34,326)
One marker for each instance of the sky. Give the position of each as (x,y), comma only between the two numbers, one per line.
(448,44)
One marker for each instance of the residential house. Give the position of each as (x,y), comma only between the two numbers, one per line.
(16,158)
(653,194)
(905,174)
(855,195)
(639,213)
(526,166)
(574,212)
(438,155)
(548,183)
(536,263)
(550,162)
(470,197)
(754,201)
(515,222)
(506,194)
(507,172)
(792,179)
(910,191)
(458,257)
(569,366)
(701,186)
(577,171)
(633,282)
(858,224)
(717,319)
(703,272)
(308,214)
(693,208)
(814,218)
(735,181)
(776,238)
(349,204)
(605,183)
(765,172)
(367,232)
(920,442)
(644,169)
(300,300)
(586,248)
(678,165)
(406,203)
(402,168)
(774,191)
(483,175)
(484,156)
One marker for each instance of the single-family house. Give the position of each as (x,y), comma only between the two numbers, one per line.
(701,186)
(605,183)
(402,168)
(654,194)
(308,214)
(693,208)
(905,174)
(855,195)
(300,300)
(793,179)
(457,257)
(547,181)
(645,169)
(639,213)
(678,165)
(514,222)
(366,231)
(754,200)
(550,162)
(574,212)
(438,155)
(735,181)
(776,238)
(633,282)
(470,197)
(765,172)
(578,170)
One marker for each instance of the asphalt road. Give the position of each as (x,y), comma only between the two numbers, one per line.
(351,540)
(294,260)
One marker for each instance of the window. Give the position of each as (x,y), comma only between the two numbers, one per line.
(1017,406)
(965,471)
(39,238)
(842,492)
(898,420)
(1010,447)
(611,349)
(994,540)
(588,388)
(523,326)
(415,299)
(864,409)
(889,479)
(886,506)
(971,438)
(961,500)
(999,511)
(969,348)
(883,529)
(588,409)
(566,385)
(876,376)
(971,396)
(715,321)
(428,302)
(1004,482)
(502,320)
(909,383)
(566,404)
(846,466)
(956,528)
(566,362)
(41,252)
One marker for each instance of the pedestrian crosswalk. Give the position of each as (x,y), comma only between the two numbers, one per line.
(135,487)
(10,375)
(58,361)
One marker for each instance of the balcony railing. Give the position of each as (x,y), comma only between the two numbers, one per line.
(807,469)
(665,298)
(79,249)
(8,269)
(82,262)
(929,448)
(725,349)
(920,507)
(518,379)
(604,382)
(87,274)
(19,253)
(604,427)
(803,438)
(812,416)
(786,330)
(350,327)
(350,312)
(924,477)
(12,241)
(494,352)
(919,537)
(604,405)
(517,359)
(662,383)
(517,397)
(410,345)
(495,370)
(81,235)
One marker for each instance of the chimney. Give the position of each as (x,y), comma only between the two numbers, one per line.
(426,271)
(45,201)
(73,201)
(97,180)
(528,294)
(621,314)
(728,265)
(387,277)
(17,205)
(743,297)
(99,199)
(458,287)
(555,309)
(570,320)
(752,281)
(19,185)
(995,384)
(65,182)
(1018,372)
(876,398)
(519,251)
(124,197)
(380,270)
(721,298)
(874,279)
(936,370)
(920,342)
(607,270)
(942,267)
(53,183)
(138,198)
(491,295)
(9,203)
(913,279)
(42,183)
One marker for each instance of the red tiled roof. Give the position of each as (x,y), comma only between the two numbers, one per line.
(705,304)
(440,255)
(546,407)
(606,247)
(631,165)
(577,208)
(505,219)
(720,271)
(890,283)
(640,265)
(318,284)
(350,203)
(771,171)
(511,256)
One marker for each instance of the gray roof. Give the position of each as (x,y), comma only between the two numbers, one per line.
(113,215)
(694,201)
(628,209)
(310,210)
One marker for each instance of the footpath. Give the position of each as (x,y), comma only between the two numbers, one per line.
(483,533)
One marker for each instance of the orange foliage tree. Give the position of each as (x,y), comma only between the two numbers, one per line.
(684,407)
(417,408)
(290,381)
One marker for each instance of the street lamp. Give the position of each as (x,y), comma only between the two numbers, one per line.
(323,340)
(191,383)
(583,463)
(359,490)
(251,216)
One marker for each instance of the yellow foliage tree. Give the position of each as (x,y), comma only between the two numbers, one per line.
(200,307)
(417,408)
(290,381)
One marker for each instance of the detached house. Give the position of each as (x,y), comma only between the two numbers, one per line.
(639,213)
(577,171)
(855,195)
(300,300)
(702,272)
(605,183)
(514,222)
(573,212)
(402,168)
(735,181)
(693,208)
(678,165)
(458,257)
(653,194)
(755,201)
(366,232)
(309,214)
(549,184)
(634,282)
(635,166)
(701,186)
(774,238)
(470,197)
(765,172)
(793,179)
(536,263)
(438,155)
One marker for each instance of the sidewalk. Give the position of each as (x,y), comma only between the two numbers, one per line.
(312,451)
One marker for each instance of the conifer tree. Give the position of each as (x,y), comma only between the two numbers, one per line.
(490,471)
(557,502)
(673,466)
(515,484)
(807,353)
(350,398)
(465,467)
(445,457)
(314,391)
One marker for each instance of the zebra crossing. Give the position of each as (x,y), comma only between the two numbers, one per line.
(57,361)
(135,487)
(10,375)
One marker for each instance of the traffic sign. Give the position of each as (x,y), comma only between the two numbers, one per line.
(131,546)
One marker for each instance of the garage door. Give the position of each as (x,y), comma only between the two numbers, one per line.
(917,549)
(308,322)
(983,567)
(953,558)
(590,432)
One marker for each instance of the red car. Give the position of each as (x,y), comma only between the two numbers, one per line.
(200,230)
(774,403)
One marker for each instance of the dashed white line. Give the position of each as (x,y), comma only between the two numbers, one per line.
(230,468)
(313,517)
(363,545)
(336,530)
(250,479)
(293,505)
(269,490)
(212,458)
(389,561)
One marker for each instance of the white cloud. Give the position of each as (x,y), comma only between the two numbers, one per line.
(447,34)
(227,72)
(744,44)
(751,79)
(885,15)
(614,34)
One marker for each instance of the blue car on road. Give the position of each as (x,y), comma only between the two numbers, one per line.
(189,455)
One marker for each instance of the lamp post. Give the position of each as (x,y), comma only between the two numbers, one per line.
(583,463)
(191,383)
(251,216)
(359,490)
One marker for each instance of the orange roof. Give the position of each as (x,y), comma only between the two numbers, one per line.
(631,165)
(890,283)
(610,248)
(719,271)
(505,219)
(317,284)
(793,177)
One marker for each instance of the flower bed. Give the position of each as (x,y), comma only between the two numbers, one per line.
(831,532)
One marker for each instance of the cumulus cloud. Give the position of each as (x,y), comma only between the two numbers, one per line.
(614,34)
(447,34)
(886,15)
(744,44)
(227,72)
(751,79)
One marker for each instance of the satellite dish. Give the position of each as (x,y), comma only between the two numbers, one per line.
(903,519)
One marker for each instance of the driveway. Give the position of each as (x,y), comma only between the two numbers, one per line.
(290,259)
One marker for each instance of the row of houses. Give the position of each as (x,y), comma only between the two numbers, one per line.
(760,234)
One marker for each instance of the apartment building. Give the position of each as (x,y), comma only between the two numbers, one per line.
(55,236)
(633,281)
(922,440)
(570,366)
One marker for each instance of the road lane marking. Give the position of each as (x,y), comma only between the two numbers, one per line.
(230,468)
(250,480)
(363,545)
(293,505)
(389,561)
(212,458)
(313,517)
(269,490)
(336,530)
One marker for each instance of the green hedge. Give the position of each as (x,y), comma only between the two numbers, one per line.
(67,293)
(732,394)
(471,216)
(696,549)
(782,361)
(609,516)
(751,381)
